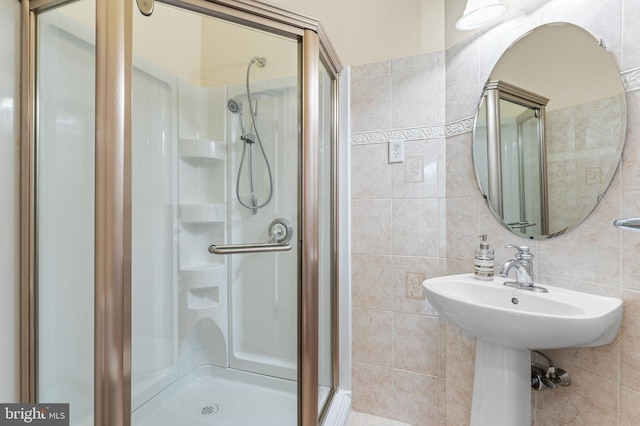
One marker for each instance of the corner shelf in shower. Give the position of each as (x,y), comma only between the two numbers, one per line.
(202,148)
(202,284)
(203,298)
(203,275)
(202,213)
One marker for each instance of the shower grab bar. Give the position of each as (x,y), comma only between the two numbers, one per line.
(280,231)
(248,248)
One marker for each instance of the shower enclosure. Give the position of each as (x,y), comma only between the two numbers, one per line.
(179,234)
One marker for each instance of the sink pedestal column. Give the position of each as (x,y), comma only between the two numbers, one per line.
(501,386)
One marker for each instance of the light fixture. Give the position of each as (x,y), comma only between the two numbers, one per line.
(480,13)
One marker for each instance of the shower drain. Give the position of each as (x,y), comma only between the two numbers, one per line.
(208,410)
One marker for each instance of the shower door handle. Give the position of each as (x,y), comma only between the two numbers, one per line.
(248,248)
(280,231)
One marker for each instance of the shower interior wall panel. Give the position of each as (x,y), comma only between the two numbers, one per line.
(154,191)
(263,291)
(203,288)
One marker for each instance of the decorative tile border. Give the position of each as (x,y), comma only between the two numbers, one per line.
(631,79)
(413,133)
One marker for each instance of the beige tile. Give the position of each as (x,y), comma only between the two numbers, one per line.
(417,177)
(463,86)
(569,284)
(442,167)
(416,398)
(371,226)
(629,407)
(414,84)
(372,281)
(442,228)
(462,228)
(372,337)
(630,32)
(589,400)
(374,69)
(408,274)
(443,350)
(630,245)
(461,358)
(461,178)
(370,171)
(416,343)
(457,404)
(441,96)
(442,405)
(372,389)
(415,227)
(599,361)
(357,418)
(630,342)
(454,267)
(370,107)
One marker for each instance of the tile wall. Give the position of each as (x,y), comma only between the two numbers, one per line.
(421,218)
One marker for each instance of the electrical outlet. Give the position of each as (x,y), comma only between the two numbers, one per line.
(396,151)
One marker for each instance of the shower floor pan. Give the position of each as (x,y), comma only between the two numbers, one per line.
(211,395)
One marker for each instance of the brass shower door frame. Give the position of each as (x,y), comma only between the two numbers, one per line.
(112,304)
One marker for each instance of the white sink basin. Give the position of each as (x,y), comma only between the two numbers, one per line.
(522,319)
(507,323)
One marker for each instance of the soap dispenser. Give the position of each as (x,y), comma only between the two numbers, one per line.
(483,261)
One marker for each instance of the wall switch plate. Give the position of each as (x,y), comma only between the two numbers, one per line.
(396,151)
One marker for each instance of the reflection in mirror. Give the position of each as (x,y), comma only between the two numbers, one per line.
(512,121)
(549,130)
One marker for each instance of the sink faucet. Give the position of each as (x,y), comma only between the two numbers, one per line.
(523,264)
(523,277)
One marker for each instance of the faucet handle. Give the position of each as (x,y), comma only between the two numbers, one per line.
(523,251)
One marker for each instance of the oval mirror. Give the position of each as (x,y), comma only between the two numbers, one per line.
(549,130)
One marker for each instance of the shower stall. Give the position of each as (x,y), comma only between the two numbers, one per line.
(179,233)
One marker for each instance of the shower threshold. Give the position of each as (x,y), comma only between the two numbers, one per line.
(210,395)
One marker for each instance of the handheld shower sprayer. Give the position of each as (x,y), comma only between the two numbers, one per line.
(235,106)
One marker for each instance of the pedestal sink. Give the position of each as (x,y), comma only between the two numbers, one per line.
(509,322)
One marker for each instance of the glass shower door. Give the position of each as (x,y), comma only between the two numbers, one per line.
(215,192)
(64,181)
(326,279)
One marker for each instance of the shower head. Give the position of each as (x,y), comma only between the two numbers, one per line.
(234,105)
(261,60)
